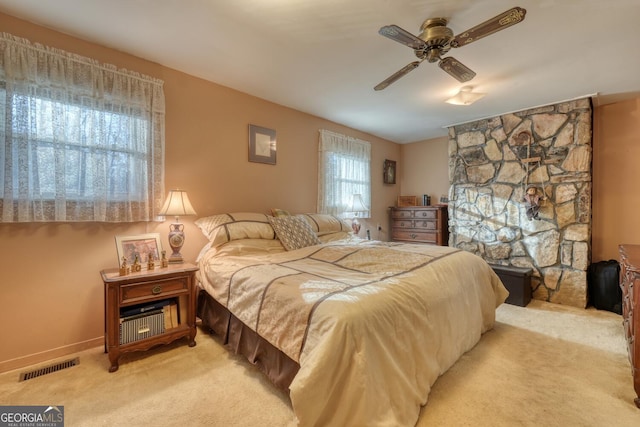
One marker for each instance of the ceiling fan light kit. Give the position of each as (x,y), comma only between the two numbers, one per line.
(465,96)
(436,39)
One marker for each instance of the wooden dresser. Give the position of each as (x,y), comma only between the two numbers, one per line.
(420,224)
(630,284)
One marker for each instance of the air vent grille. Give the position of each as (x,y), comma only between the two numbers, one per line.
(49,369)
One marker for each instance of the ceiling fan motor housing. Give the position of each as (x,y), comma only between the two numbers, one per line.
(436,36)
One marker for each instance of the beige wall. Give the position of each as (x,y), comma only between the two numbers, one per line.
(50,287)
(424,168)
(616,174)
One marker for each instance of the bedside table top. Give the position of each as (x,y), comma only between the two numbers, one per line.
(113,274)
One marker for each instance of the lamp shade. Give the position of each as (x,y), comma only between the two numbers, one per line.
(177,204)
(357,204)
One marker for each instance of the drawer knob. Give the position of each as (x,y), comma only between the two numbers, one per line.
(424,214)
(413,235)
(156,290)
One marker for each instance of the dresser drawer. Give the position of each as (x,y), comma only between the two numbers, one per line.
(163,288)
(401,214)
(416,224)
(405,223)
(425,214)
(414,214)
(426,224)
(417,236)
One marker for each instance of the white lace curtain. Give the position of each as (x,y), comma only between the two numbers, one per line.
(344,169)
(79,140)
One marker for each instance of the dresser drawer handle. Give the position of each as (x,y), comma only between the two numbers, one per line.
(413,235)
(156,290)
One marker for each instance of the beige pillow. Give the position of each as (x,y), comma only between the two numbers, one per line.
(294,232)
(325,223)
(279,212)
(224,228)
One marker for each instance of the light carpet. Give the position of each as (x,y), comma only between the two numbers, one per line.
(542,365)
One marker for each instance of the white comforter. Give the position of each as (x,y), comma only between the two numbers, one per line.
(371,324)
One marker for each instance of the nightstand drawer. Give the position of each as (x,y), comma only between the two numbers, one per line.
(161,288)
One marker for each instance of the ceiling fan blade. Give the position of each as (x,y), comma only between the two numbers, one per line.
(456,69)
(398,74)
(402,36)
(504,20)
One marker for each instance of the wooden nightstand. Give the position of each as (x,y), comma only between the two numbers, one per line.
(148,308)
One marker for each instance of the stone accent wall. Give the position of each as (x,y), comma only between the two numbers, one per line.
(489,174)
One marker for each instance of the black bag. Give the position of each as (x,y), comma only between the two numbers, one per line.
(603,279)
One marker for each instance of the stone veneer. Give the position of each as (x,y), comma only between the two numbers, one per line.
(487,215)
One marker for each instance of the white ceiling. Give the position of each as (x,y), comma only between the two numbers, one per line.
(324,57)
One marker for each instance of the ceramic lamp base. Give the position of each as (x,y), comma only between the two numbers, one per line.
(176,240)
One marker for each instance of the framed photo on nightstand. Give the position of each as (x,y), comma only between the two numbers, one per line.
(142,245)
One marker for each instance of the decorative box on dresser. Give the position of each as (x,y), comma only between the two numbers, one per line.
(420,224)
(630,284)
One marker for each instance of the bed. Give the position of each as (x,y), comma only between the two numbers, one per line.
(357,331)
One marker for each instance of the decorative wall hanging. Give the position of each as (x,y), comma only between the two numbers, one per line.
(525,138)
(262,145)
(389,172)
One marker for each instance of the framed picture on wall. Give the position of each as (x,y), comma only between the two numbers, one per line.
(389,172)
(262,145)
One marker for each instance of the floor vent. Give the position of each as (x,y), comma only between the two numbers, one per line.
(49,369)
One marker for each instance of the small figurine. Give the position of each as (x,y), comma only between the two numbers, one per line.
(532,202)
(124,268)
(164,262)
(136,264)
(150,261)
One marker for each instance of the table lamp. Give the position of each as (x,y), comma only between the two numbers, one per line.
(357,207)
(177,204)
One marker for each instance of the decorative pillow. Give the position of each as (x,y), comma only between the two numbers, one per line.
(278,213)
(325,223)
(224,228)
(294,232)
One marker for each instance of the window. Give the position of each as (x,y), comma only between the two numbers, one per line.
(79,141)
(344,169)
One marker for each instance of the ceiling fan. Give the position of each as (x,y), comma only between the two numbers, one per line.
(436,39)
